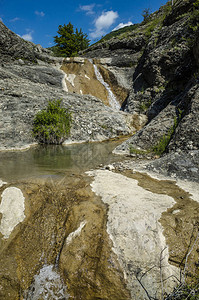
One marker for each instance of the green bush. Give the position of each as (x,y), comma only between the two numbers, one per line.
(52,125)
(164,141)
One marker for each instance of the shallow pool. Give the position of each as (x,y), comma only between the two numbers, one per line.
(53,160)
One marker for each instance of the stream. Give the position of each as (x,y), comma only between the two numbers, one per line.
(55,160)
(111,97)
(90,229)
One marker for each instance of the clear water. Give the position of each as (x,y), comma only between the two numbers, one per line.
(53,160)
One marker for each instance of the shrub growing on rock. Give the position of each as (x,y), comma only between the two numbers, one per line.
(52,125)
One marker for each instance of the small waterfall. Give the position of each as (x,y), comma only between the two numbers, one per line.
(111,97)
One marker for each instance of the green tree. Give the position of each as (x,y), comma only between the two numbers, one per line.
(146,14)
(82,41)
(69,43)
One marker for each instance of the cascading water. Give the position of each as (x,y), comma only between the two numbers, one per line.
(111,97)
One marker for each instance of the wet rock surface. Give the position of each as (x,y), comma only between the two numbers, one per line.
(135,231)
(180,230)
(81,78)
(81,254)
(104,243)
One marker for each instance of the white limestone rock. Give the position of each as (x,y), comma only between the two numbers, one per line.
(12,208)
(136,233)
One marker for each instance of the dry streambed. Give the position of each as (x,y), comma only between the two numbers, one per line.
(105,236)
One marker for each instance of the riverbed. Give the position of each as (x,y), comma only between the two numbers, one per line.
(101,234)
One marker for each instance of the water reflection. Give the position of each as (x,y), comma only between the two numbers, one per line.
(55,160)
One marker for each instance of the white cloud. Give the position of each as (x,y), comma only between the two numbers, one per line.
(39,13)
(87,8)
(103,22)
(106,19)
(97,34)
(28,36)
(15,19)
(121,25)
(1,20)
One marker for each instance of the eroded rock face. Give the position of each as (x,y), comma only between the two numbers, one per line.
(150,135)
(183,159)
(186,137)
(179,164)
(12,46)
(80,78)
(124,53)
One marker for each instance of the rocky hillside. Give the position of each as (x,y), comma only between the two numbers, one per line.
(162,54)
(29,78)
(121,231)
(151,68)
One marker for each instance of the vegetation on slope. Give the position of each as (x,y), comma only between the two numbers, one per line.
(148,25)
(154,21)
(52,125)
(117,33)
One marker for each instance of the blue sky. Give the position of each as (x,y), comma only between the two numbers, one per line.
(38,20)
